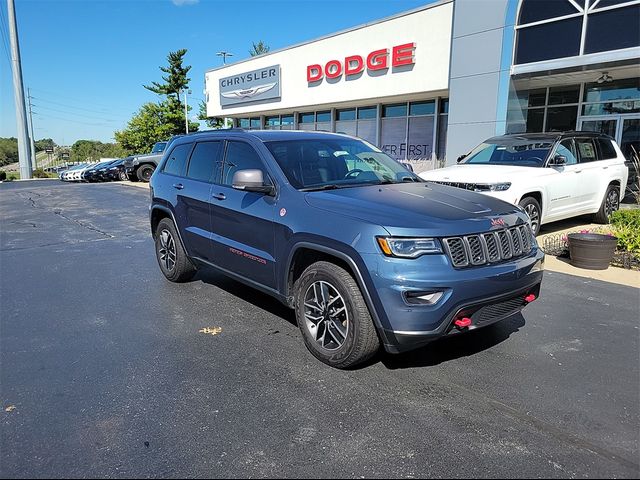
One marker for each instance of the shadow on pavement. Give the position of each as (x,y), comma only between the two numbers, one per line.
(456,346)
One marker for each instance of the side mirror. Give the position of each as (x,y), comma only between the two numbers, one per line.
(251,181)
(558,161)
(407,165)
(461,157)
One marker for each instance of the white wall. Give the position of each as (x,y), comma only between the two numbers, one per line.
(429,29)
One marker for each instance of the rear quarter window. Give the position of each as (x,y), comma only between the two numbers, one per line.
(177,160)
(605,149)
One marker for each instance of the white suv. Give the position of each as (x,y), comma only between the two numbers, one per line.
(552,176)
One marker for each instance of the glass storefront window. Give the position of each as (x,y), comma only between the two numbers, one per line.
(616,90)
(536,10)
(548,41)
(347,114)
(535,120)
(422,108)
(243,123)
(255,123)
(286,122)
(420,146)
(348,127)
(397,110)
(309,117)
(444,105)
(565,94)
(625,22)
(394,137)
(537,97)
(323,116)
(367,130)
(367,112)
(611,108)
(271,122)
(560,119)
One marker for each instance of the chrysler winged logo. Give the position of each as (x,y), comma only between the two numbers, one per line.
(249,92)
(497,222)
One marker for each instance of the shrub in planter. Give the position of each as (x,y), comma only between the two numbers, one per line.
(626,227)
(40,173)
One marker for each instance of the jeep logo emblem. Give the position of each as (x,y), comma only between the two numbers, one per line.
(497,222)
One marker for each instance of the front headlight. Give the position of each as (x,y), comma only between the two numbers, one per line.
(408,247)
(499,187)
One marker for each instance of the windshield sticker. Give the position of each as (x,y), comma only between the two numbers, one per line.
(339,153)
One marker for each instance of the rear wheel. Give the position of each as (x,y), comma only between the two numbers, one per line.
(144,172)
(122,176)
(333,317)
(172,258)
(610,203)
(532,207)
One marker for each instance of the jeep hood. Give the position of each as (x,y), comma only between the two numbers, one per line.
(482,173)
(411,209)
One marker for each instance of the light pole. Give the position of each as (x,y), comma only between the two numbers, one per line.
(186,110)
(224,56)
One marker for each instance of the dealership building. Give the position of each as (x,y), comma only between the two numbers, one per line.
(430,84)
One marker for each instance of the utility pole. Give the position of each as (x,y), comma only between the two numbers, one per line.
(186,111)
(34,164)
(24,156)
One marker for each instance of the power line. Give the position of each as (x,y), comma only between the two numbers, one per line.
(92,117)
(71,99)
(40,99)
(3,30)
(71,120)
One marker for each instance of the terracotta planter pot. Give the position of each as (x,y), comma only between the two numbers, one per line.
(592,251)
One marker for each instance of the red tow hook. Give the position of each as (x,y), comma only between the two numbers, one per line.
(530,298)
(463,322)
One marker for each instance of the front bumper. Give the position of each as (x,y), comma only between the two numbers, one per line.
(464,291)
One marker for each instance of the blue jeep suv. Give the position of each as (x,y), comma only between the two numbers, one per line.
(363,250)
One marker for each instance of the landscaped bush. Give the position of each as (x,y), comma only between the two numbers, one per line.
(40,173)
(626,226)
(3,175)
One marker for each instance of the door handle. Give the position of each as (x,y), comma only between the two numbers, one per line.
(604,168)
(578,171)
(219,196)
(178,186)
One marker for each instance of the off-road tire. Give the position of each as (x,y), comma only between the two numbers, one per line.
(361,341)
(178,268)
(610,203)
(144,172)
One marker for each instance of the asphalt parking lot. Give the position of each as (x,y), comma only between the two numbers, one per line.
(104,371)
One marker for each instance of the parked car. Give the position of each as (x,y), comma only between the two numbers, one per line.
(90,174)
(68,175)
(115,171)
(141,167)
(363,250)
(552,176)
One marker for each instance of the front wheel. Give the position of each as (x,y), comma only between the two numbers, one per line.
(333,317)
(144,172)
(531,206)
(172,259)
(610,203)
(122,176)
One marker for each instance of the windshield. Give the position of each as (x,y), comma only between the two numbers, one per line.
(158,147)
(334,163)
(519,152)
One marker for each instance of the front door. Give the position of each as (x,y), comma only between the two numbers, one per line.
(243,222)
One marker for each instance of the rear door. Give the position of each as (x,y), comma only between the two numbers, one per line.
(591,172)
(243,222)
(203,169)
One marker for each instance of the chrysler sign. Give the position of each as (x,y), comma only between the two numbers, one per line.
(250,87)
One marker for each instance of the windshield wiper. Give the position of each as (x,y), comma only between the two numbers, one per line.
(329,186)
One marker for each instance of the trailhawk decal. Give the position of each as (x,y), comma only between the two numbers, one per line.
(248,256)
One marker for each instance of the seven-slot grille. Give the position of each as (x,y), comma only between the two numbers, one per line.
(490,247)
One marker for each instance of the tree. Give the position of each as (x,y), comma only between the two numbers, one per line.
(8,150)
(176,80)
(259,48)
(43,144)
(153,123)
(212,122)
(93,150)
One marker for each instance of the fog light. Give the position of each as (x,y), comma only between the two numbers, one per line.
(424,298)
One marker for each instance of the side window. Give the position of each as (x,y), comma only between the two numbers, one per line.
(586,149)
(240,156)
(177,160)
(605,149)
(205,163)
(568,150)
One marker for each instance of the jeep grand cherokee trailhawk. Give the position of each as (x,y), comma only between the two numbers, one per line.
(367,253)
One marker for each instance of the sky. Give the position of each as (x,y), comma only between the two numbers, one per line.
(86,61)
